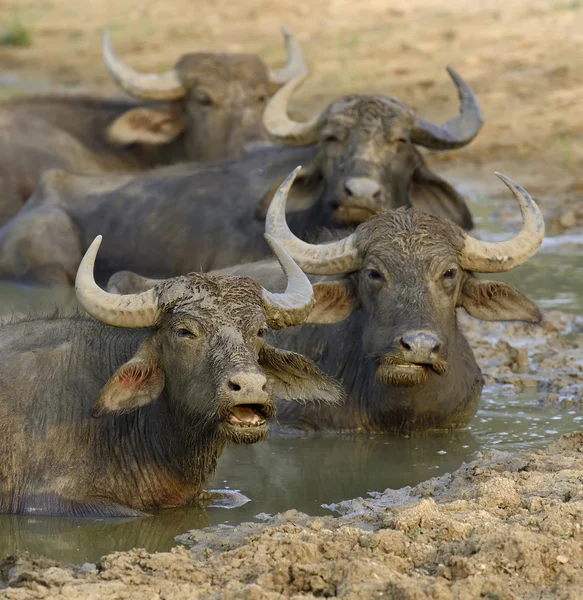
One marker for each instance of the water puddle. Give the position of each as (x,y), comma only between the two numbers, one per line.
(301,472)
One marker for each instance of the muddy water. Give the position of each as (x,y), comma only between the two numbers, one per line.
(307,472)
(303,473)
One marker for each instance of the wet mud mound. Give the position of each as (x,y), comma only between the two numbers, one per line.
(505,526)
(516,356)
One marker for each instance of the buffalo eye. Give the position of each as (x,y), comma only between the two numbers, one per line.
(450,274)
(374,275)
(402,140)
(332,138)
(203,98)
(261,99)
(185,333)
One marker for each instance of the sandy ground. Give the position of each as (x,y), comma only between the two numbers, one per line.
(503,527)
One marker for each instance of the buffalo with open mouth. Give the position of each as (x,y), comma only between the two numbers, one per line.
(130,410)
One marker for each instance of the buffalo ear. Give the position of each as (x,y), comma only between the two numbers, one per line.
(431,194)
(496,301)
(335,301)
(136,383)
(294,377)
(305,192)
(153,126)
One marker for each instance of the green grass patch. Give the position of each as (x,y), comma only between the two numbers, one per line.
(15,33)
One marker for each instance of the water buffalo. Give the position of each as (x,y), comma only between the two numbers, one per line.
(207,108)
(183,218)
(368,160)
(388,330)
(130,411)
(386,324)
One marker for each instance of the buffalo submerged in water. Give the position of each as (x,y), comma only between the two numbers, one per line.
(396,345)
(386,326)
(130,410)
(361,157)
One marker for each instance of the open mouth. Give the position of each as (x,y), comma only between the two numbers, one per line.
(247,416)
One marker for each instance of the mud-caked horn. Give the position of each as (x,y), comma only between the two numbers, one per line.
(497,257)
(457,132)
(163,86)
(129,310)
(295,304)
(319,259)
(296,63)
(278,124)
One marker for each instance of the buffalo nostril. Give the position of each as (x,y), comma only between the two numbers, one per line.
(243,384)
(421,345)
(347,190)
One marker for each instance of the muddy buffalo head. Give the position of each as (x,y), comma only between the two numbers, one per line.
(410,272)
(205,351)
(368,160)
(215,101)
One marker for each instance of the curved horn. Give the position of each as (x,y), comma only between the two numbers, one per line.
(130,310)
(295,304)
(497,257)
(457,132)
(320,259)
(296,63)
(165,86)
(283,129)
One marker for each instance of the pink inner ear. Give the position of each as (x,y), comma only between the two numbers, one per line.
(135,377)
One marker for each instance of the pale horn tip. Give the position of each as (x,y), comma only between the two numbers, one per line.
(510,183)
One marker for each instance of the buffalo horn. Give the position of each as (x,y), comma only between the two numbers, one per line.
(278,124)
(295,304)
(296,63)
(497,257)
(457,132)
(129,310)
(164,86)
(319,259)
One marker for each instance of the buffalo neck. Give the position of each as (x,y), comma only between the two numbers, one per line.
(445,401)
(164,453)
